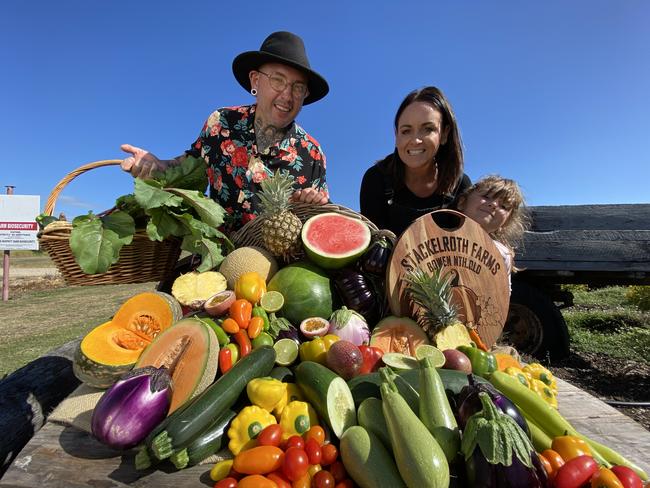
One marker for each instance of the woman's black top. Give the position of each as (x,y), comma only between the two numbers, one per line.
(395,207)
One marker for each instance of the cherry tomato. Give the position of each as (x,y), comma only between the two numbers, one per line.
(627,476)
(575,472)
(313,469)
(280,479)
(256,481)
(338,471)
(295,441)
(295,463)
(226,483)
(313,450)
(346,483)
(258,460)
(271,435)
(316,432)
(323,479)
(303,482)
(329,454)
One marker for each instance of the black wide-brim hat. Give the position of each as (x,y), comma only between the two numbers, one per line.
(285,48)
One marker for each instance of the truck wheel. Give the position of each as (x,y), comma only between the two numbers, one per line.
(535,325)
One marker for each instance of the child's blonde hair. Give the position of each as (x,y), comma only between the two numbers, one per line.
(512,231)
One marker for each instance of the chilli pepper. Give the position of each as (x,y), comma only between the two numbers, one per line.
(225,360)
(250,286)
(241,311)
(230,326)
(605,478)
(570,447)
(244,343)
(483,363)
(371,358)
(554,460)
(255,326)
(260,312)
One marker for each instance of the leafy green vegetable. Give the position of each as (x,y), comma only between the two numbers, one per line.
(170,205)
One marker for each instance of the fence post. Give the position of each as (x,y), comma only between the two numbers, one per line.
(5,262)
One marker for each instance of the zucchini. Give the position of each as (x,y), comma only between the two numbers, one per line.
(404,388)
(183,427)
(435,411)
(367,385)
(283,374)
(328,393)
(367,461)
(419,458)
(371,417)
(207,443)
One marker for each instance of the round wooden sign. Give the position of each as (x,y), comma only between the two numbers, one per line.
(449,240)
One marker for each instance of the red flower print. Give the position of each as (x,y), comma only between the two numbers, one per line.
(246,205)
(304,143)
(229,169)
(312,140)
(247,217)
(210,176)
(215,129)
(301,179)
(290,155)
(315,154)
(240,157)
(219,184)
(228,147)
(198,144)
(239,182)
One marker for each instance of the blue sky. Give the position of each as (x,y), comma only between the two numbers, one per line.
(553,94)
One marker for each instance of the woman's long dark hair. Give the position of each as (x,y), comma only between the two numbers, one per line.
(449,158)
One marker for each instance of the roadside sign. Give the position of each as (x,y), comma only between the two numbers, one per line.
(18,227)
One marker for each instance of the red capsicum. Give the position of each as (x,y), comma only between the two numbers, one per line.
(371,359)
(243,341)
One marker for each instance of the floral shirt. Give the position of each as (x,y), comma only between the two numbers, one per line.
(236,167)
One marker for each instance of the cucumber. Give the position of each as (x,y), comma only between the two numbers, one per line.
(328,393)
(367,385)
(371,417)
(367,461)
(183,427)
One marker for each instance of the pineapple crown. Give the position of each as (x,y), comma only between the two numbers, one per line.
(275,193)
(432,294)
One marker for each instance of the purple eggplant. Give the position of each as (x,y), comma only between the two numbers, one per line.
(469,403)
(482,474)
(132,407)
(375,260)
(357,293)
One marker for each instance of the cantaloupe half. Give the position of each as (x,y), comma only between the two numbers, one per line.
(191,350)
(398,334)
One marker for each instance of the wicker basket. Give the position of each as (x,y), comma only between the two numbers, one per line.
(141,261)
(251,233)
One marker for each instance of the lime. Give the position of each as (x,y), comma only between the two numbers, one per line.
(272,301)
(436,355)
(263,339)
(286,351)
(398,360)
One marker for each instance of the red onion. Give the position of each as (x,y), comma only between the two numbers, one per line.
(350,326)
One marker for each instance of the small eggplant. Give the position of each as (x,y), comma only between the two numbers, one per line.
(375,260)
(358,294)
(469,403)
(132,407)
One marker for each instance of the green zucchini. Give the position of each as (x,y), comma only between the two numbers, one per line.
(371,417)
(367,461)
(283,374)
(404,388)
(328,393)
(207,407)
(435,411)
(367,385)
(207,443)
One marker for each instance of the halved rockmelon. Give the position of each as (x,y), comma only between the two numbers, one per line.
(191,350)
(112,348)
(398,334)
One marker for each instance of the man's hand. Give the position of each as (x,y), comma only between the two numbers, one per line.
(141,163)
(309,195)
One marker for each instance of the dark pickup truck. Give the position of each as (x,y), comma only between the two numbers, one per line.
(597,245)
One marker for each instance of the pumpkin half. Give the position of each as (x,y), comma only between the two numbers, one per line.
(112,348)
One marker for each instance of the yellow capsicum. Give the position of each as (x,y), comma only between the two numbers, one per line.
(250,286)
(292,393)
(519,375)
(316,349)
(570,447)
(539,372)
(266,392)
(246,426)
(296,418)
(544,391)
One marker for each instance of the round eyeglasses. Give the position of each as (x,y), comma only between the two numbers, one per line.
(279,83)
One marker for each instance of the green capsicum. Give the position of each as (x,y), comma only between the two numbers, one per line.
(260,312)
(483,363)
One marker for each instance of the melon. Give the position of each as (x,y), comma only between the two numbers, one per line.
(398,334)
(112,348)
(191,350)
(245,260)
(332,240)
(306,289)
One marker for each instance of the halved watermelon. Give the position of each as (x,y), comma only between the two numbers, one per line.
(398,334)
(332,240)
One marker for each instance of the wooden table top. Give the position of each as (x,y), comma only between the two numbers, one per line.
(59,456)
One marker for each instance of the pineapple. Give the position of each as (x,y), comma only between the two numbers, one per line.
(280,227)
(436,314)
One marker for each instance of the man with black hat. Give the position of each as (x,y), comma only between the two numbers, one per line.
(244,145)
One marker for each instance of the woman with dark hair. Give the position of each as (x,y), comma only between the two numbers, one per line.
(425,172)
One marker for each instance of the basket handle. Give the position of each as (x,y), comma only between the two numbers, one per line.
(51,200)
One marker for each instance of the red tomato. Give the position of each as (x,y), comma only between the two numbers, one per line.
(323,479)
(338,471)
(295,441)
(295,463)
(279,479)
(575,472)
(346,483)
(329,454)
(627,476)
(315,432)
(312,448)
(226,483)
(271,435)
